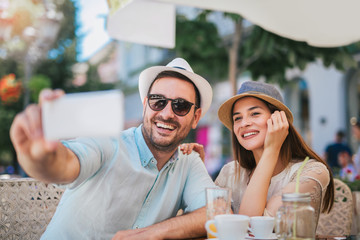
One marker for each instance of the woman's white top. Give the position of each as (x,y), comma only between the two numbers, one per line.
(314,179)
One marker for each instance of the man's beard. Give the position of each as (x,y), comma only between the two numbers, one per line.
(168,146)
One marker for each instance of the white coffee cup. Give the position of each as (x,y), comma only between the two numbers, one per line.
(229,226)
(262,226)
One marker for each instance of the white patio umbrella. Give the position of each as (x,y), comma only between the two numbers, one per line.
(142,21)
(320,23)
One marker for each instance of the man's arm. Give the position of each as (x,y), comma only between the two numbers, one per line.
(190,225)
(44,160)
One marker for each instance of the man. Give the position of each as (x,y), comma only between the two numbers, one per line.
(136,183)
(332,150)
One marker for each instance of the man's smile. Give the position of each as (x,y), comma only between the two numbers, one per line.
(165,126)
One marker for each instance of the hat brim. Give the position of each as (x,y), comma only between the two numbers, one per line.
(225,110)
(148,75)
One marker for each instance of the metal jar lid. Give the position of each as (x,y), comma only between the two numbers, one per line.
(296,197)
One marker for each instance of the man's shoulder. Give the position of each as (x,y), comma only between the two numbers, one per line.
(193,156)
(128,134)
(133,140)
(130,130)
(331,145)
(337,146)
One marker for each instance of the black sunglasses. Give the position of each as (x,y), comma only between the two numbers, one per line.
(180,106)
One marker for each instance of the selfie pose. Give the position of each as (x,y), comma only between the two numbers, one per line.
(268,151)
(136,182)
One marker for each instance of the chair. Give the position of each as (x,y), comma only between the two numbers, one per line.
(26,207)
(338,221)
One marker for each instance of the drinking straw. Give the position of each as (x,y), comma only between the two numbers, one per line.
(298,174)
(297,191)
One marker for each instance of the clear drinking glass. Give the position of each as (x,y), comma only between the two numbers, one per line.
(295,219)
(218,201)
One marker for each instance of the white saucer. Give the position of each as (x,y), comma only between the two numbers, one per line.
(272,237)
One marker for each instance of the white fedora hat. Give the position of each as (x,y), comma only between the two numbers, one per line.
(181,66)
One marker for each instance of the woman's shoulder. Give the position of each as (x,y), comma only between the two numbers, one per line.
(228,173)
(230,165)
(311,165)
(231,168)
(313,169)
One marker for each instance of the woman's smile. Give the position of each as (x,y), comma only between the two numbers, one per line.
(249,134)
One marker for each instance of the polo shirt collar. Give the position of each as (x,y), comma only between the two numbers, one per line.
(144,151)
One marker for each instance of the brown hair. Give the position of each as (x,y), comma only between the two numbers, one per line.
(294,147)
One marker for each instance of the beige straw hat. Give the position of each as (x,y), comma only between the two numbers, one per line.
(259,90)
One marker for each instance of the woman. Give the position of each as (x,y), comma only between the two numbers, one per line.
(268,152)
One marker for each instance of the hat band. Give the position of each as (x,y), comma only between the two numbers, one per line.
(180,68)
(252,92)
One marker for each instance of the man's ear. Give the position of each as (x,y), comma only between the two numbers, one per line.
(197,116)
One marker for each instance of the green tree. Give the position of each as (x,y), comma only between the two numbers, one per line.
(57,68)
(199,42)
(63,54)
(7,114)
(273,54)
(36,84)
(251,49)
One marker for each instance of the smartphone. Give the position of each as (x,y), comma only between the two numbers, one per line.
(90,114)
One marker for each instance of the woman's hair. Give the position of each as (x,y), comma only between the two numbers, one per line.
(294,147)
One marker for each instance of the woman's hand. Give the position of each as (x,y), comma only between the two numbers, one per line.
(278,129)
(187,148)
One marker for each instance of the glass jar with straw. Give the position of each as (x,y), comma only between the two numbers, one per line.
(295,219)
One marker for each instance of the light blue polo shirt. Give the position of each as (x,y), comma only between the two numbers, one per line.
(119,187)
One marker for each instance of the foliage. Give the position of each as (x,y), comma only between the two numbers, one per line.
(8,66)
(8,110)
(275,54)
(7,114)
(199,42)
(36,84)
(354,186)
(261,53)
(57,68)
(63,55)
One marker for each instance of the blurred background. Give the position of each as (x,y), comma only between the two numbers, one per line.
(66,44)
